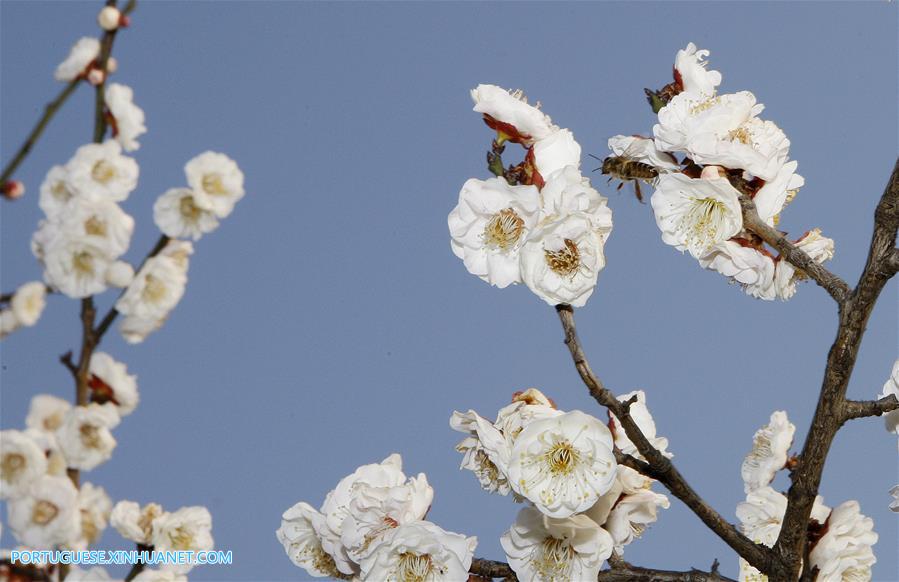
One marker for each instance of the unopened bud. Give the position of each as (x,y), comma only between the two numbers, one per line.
(112,65)
(712,173)
(96,77)
(13,190)
(119,274)
(124,21)
(109,18)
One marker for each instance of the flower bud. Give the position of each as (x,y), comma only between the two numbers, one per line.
(96,77)
(13,190)
(119,274)
(112,65)
(712,173)
(109,18)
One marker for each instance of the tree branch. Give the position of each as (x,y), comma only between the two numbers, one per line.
(657,466)
(863,408)
(622,572)
(49,111)
(834,285)
(830,411)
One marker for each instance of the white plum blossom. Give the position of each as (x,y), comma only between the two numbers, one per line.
(689,119)
(475,456)
(100,171)
(85,438)
(643,150)
(769,452)
(775,194)
(94,506)
(217,182)
(299,534)
(56,463)
(420,550)
(891,386)
(696,214)
(46,412)
(561,261)
(55,192)
(556,151)
(757,146)
(563,464)
(568,192)
(695,78)
(134,522)
(388,473)
(178,215)
(128,118)
(98,222)
(83,53)
(844,551)
(75,267)
(632,514)
(188,529)
(761,517)
(28,303)
(22,463)
(752,268)
(111,382)
(119,274)
(155,291)
(489,226)
(640,414)
(47,515)
(543,548)
(375,511)
(786,276)
(526,123)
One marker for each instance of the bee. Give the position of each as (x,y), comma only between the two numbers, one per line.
(628,170)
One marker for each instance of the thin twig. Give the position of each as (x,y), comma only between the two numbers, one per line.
(621,572)
(834,285)
(49,111)
(863,408)
(657,466)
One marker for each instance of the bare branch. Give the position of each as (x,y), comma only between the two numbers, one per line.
(830,411)
(657,466)
(834,285)
(864,408)
(620,572)
(49,111)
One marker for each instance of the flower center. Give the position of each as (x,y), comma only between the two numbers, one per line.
(52,422)
(704,105)
(212,184)
(103,172)
(562,458)
(181,538)
(60,191)
(700,224)
(12,466)
(90,436)
(189,209)
(89,528)
(94,226)
(553,560)
(154,290)
(83,263)
(565,261)
(414,567)
(43,512)
(741,134)
(503,229)
(145,522)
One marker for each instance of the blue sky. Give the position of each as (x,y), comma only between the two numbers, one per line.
(327,324)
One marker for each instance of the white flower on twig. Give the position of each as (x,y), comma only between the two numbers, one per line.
(769,452)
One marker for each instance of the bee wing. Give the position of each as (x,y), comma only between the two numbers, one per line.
(634,151)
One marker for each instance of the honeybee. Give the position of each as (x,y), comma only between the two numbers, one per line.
(627,166)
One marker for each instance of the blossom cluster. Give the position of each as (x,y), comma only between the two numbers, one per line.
(372,526)
(541,222)
(582,505)
(726,151)
(840,539)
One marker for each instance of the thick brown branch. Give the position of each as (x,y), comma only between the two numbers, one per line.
(864,408)
(830,411)
(834,285)
(657,466)
(622,572)
(49,111)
